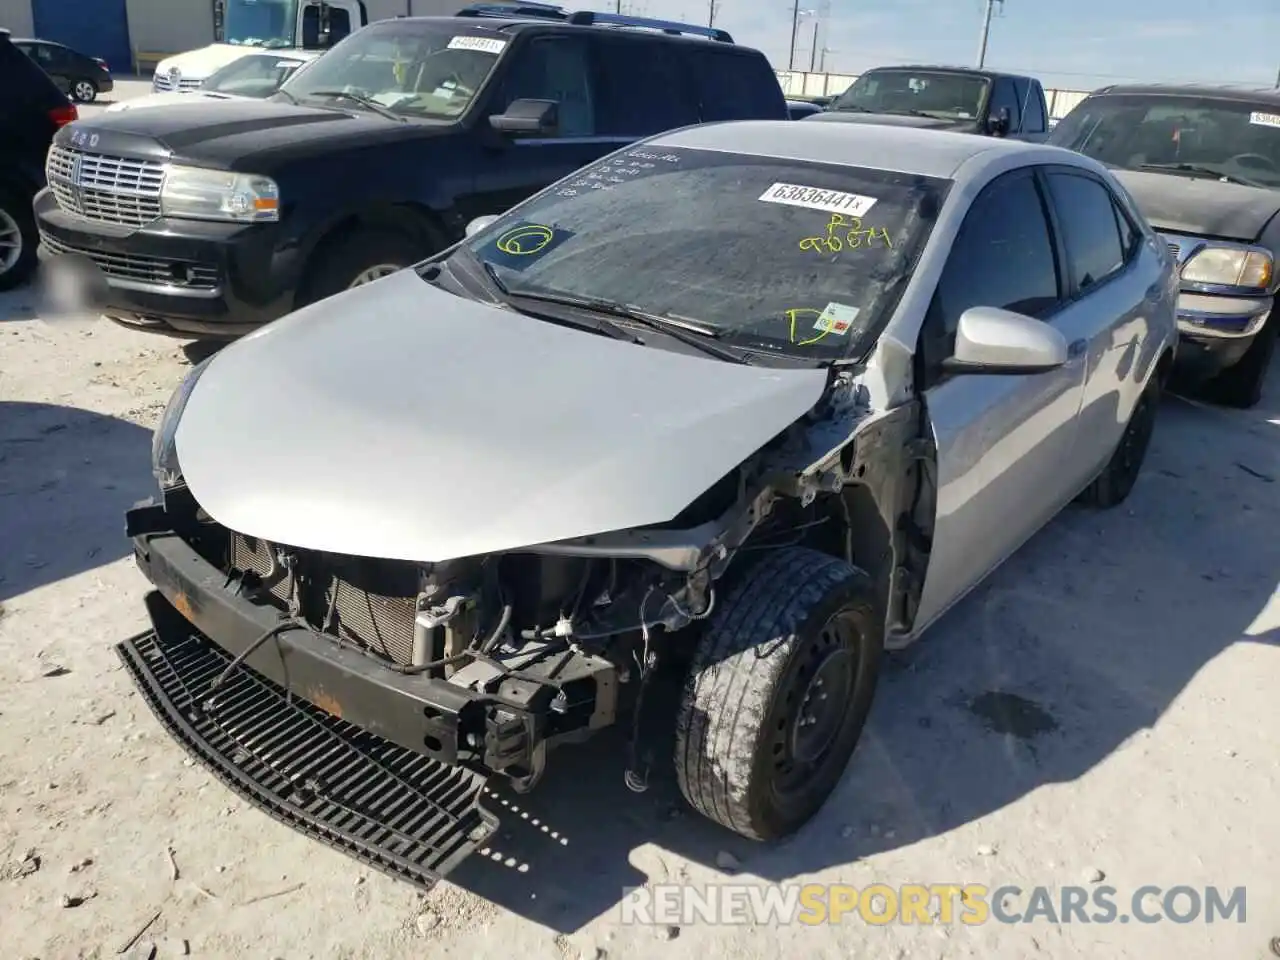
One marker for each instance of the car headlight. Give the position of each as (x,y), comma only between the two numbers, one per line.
(1246,268)
(194,193)
(164,449)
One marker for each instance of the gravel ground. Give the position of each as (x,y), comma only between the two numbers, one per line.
(1142,641)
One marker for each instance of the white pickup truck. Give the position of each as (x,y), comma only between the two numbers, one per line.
(249,26)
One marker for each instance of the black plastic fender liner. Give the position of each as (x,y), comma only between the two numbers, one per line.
(405,814)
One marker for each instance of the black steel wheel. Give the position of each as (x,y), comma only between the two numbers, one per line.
(778,693)
(1117,480)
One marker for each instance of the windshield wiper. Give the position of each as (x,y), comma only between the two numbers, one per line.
(690,334)
(1204,169)
(291,98)
(366,102)
(603,326)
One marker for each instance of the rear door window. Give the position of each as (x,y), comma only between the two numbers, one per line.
(733,86)
(643,88)
(1086,210)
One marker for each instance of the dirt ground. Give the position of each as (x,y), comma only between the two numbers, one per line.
(1145,749)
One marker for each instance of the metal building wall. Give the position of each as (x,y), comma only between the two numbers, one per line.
(15,16)
(162,27)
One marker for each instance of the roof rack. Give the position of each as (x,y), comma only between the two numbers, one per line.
(540,11)
(588,18)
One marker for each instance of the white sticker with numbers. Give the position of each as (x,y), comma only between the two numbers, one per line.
(837,319)
(1265,119)
(815,198)
(483,44)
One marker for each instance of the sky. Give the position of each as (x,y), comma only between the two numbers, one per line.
(1074,44)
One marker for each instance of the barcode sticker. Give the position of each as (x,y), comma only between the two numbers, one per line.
(483,44)
(815,198)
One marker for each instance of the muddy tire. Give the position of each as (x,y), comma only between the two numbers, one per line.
(19,238)
(359,258)
(778,693)
(1113,486)
(1240,386)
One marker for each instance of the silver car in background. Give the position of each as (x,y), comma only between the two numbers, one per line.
(758,399)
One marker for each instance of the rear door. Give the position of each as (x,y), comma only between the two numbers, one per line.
(644,88)
(734,85)
(512,168)
(1108,300)
(1003,442)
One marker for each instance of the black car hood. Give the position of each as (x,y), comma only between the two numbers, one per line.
(1199,205)
(895,120)
(251,135)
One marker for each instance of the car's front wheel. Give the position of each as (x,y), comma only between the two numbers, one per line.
(84,91)
(778,693)
(361,258)
(19,238)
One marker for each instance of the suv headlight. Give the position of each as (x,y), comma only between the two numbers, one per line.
(164,450)
(194,193)
(1245,268)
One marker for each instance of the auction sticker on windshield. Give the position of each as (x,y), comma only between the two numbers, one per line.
(837,318)
(815,198)
(483,44)
(1265,119)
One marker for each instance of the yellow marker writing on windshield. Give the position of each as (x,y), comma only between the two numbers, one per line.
(794,315)
(844,232)
(526,240)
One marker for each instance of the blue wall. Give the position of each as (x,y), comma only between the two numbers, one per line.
(98,28)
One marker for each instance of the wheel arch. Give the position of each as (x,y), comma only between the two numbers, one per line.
(412,221)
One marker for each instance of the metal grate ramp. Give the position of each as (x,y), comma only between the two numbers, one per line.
(405,814)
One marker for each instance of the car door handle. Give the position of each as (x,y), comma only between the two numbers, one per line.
(1077,348)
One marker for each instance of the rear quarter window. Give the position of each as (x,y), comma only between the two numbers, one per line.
(736,86)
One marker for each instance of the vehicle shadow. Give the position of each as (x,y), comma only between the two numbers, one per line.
(1080,642)
(66,477)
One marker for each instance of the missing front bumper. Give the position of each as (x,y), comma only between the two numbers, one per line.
(396,810)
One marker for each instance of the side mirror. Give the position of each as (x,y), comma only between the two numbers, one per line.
(994,341)
(479,223)
(529,117)
(999,122)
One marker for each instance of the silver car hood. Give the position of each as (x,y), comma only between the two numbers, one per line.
(396,420)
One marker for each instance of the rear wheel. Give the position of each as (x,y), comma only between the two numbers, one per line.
(84,91)
(361,258)
(1240,386)
(1116,481)
(18,238)
(778,693)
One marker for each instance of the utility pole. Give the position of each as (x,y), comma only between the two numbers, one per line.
(1278,81)
(986,30)
(713,7)
(813,50)
(822,58)
(795,25)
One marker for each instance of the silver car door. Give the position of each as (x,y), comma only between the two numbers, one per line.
(1001,440)
(1112,290)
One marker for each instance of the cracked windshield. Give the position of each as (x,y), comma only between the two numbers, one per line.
(801,259)
(1227,139)
(947,96)
(411,69)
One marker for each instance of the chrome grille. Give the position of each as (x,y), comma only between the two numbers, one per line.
(382,623)
(154,271)
(110,189)
(163,82)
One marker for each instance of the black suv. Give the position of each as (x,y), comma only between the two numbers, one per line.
(31,111)
(211,222)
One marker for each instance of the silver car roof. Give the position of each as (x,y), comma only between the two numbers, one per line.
(931,153)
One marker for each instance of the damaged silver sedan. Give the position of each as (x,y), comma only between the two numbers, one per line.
(755,400)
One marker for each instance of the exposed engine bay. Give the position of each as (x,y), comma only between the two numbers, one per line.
(553,642)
